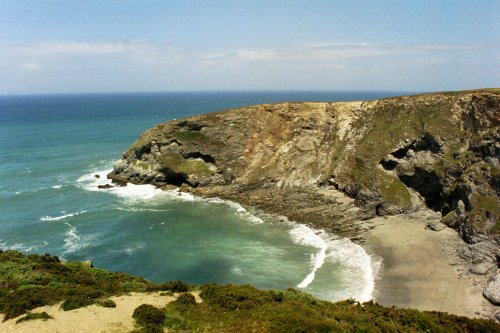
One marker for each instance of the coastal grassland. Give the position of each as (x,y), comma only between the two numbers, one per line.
(232,308)
(30,281)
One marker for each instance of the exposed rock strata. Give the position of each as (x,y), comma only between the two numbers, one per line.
(396,155)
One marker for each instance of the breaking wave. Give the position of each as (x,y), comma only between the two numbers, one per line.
(61,217)
(353,259)
(74,242)
(132,193)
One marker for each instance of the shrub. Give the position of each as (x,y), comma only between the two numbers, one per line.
(32,316)
(107,303)
(150,329)
(185,299)
(147,314)
(234,297)
(173,286)
(30,281)
(76,302)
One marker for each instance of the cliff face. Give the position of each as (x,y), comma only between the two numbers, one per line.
(391,156)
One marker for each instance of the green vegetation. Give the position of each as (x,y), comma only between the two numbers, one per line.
(393,190)
(170,286)
(485,209)
(33,316)
(393,121)
(185,299)
(147,314)
(150,318)
(245,309)
(30,281)
(176,163)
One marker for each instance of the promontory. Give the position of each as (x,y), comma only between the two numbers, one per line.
(346,166)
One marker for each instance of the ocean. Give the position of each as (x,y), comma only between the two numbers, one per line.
(51,148)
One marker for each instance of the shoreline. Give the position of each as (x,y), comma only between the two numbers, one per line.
(419,266)
(420,269)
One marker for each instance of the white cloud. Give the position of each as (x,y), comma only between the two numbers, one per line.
(30,66)
(331,52)
(140,65)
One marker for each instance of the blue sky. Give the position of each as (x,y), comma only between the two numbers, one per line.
(131,45)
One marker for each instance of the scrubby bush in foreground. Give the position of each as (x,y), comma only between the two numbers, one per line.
(148,314)
(30,281)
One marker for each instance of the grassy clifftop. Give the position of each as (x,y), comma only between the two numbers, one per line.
(29,281)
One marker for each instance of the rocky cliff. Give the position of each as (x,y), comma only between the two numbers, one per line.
(394,155)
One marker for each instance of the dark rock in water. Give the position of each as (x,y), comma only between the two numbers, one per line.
(492,290)
(97,176)
(105,186)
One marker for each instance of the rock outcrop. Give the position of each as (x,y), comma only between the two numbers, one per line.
(394,155)
(492,290)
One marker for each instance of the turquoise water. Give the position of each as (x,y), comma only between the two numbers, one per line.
(51,149)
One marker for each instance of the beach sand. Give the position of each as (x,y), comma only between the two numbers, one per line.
(91,319)
(420,269)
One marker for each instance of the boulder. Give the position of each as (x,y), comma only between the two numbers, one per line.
(105,186)
(492,290)
(435,226)
(481,269)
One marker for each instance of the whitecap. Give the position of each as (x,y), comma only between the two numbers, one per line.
(73,241)
(131,249)
(57,186)
(236,270)
(61,217)
(21,247)
(141,209)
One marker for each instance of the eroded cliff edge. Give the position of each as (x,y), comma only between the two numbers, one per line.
(391,156)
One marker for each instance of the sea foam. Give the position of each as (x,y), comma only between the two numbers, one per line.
(61,217)
(353,259)
(74,242)
(132,193)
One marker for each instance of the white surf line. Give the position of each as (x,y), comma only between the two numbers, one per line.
(62,217)
(304,235)
(340,250)
(140,193)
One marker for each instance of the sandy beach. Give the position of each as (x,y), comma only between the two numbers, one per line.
(420,269)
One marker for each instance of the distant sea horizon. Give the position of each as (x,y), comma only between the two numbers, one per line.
(52,148)
(264,91)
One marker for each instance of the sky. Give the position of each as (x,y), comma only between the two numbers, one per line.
(86,46)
